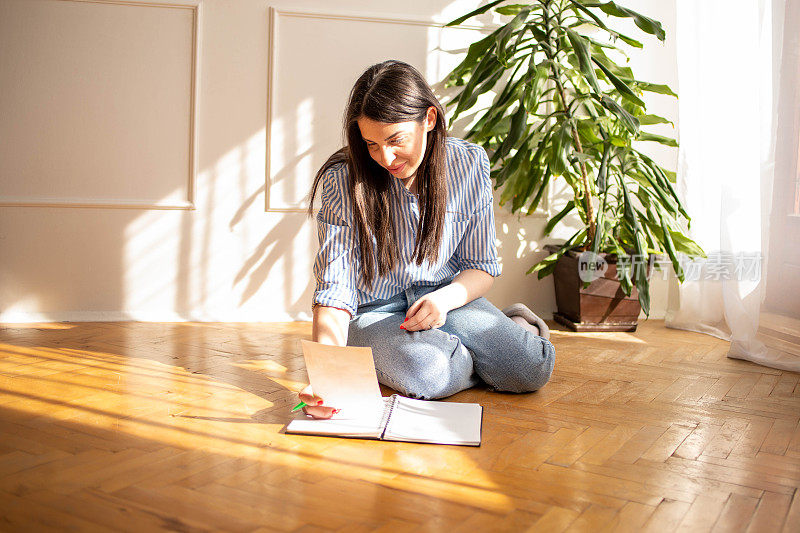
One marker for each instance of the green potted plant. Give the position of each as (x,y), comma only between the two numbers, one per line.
(565,109)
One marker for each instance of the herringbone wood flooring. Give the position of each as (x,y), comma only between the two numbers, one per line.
(139,427)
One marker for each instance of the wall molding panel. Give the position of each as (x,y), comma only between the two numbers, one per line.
(148,158)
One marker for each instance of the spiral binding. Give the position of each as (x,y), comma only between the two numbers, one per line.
(387,415)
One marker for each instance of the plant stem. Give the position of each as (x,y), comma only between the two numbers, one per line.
(587,192)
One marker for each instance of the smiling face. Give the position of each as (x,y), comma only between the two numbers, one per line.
(398,147)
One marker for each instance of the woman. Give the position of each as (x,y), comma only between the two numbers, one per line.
(407,249)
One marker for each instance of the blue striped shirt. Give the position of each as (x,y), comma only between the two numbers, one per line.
(468,238)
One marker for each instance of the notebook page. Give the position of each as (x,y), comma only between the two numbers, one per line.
(344,377)
(435,422)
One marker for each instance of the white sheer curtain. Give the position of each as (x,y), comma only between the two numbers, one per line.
(731,73)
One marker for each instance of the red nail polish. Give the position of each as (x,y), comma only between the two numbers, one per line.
(406,320)
(402,326)
(336,411)
(319,402)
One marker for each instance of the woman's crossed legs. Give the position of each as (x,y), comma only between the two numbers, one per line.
(477,342)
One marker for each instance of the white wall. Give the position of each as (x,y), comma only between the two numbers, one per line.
(153,161)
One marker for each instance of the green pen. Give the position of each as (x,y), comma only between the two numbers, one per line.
(304,404)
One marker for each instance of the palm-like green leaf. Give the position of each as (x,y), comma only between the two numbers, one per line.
(645,24)
(511,10)
(620,85)
(584,56)
(630,122)
(479,11)
(647,120)
(578,7)
(556,219)
(644,136)
(545,266)
(670,246)
(655,88)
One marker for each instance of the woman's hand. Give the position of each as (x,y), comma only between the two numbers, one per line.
(429,312)
(314,405)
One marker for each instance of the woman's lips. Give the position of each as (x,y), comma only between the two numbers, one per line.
(395,170)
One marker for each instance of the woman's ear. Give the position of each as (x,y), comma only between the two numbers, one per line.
(430,119)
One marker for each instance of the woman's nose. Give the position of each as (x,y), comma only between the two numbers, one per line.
(387,154)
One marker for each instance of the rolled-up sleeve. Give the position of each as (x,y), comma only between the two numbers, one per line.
(335,264)
(478,249)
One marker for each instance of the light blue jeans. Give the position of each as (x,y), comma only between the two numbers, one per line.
(476,343)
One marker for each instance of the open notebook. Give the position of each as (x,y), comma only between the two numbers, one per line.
(345,377)
(404,419)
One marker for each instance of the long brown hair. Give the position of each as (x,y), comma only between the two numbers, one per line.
(391,92)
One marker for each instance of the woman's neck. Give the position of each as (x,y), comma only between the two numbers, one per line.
(410,184)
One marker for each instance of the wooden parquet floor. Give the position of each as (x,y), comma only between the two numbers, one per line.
(178,427)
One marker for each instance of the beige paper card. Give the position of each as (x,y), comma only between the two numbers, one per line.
(344,377)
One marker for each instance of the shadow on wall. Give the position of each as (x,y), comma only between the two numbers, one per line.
(270,251)
(232,269)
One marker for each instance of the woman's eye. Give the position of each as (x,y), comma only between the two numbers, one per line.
(398,140)
(372,147)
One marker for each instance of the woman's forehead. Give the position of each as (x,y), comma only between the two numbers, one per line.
(375,131)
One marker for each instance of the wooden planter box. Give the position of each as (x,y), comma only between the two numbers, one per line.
(602,306)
